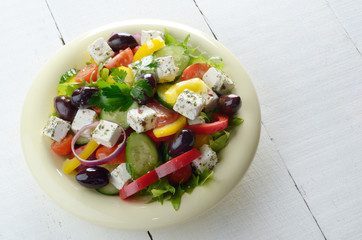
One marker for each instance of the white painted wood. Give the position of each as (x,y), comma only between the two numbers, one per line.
(349,15)
(265,205)
(308,75)
(93,14)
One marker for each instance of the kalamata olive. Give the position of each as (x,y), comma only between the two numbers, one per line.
(121,41)
(64,108)
(93,177)
(229,104)
(150,77)
(81,96)
(181,143)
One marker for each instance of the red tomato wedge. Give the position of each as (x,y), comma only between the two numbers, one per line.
(164,115)
(160,172)
(123,58)
(86,73)
(63,147)
(104,151)
(181,175)
(135,49)
(196,70)
(97,110)
(156,139)
(220,123)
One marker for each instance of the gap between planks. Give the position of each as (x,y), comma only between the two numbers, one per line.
(282,160)
(55,23)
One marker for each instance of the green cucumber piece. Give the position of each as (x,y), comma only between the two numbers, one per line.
(141,155)
(178,53)
(160,94)
(82,140)
(109,189)
(118,116)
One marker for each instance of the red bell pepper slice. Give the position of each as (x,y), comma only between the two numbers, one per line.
(220,123)
(161,171)
(156,139)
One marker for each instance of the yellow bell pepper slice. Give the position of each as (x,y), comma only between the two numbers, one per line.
(195,84)
(128,79)
(201,140)
(171,128)
(149,48)
(70,165)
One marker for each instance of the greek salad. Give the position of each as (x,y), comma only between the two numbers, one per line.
(147,115)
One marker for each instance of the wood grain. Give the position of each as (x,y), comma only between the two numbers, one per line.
(307,72)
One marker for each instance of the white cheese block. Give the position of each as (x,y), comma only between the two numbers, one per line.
(99,50)
(107,133)
(208,159)
(166,70)
(218,81)
(189,104)
(83,118)
(149,35)
(120,176)
(56,128)
(211,99)
(142,119)
(198,120)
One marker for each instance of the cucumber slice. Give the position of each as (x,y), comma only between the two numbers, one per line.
(82,140)
(141,155)
(109,189)
(118,116)
(160,96)
(178,54)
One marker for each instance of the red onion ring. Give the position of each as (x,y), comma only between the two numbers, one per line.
(137,36)
(95,162)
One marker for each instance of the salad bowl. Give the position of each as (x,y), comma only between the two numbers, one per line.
(134,213)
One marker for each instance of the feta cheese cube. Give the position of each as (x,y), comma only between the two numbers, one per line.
(83,118)
(56,128)
(99,50)
(166,70)
(120,176)
(142,119)
(107,133)
(151,34)
(218,81)
(211,99)
(208,159)
(198,120)
(189,104)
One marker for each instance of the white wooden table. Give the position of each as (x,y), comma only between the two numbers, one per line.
(305,60)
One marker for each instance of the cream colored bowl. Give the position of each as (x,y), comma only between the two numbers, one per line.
(135,214)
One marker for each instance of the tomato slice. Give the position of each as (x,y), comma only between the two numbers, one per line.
(164,115)
(86,73)
(181,175)
(135,49)
(160,172)
(97,110)
(220,123)
(63,147)
(104,151)
(123,58)
(196,70)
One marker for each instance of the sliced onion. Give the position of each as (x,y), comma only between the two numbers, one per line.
(137,36)
(95,162)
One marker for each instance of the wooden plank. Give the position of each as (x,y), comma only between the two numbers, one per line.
(307,73)
(85,15)
(265,205)
(349,15)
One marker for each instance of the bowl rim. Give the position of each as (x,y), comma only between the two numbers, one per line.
(158,220)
